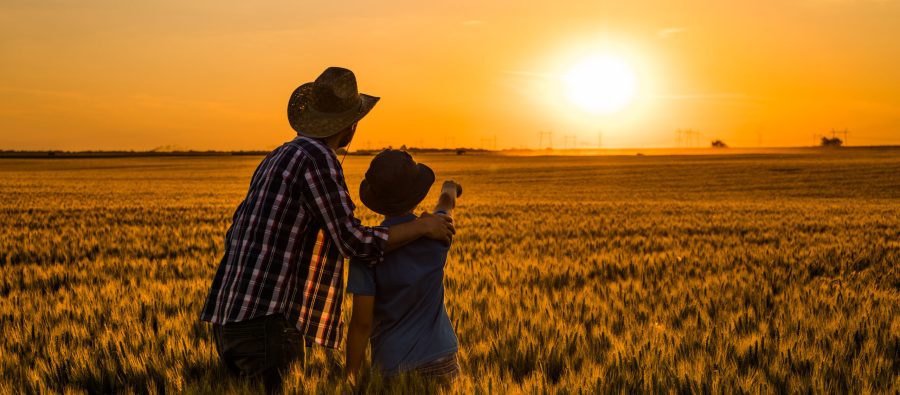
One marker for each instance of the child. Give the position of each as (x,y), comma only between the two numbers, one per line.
(398,304)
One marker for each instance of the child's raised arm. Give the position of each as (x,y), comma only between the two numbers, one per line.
(447,201)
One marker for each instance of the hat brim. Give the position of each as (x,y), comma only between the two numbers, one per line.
(318,125)
(421,185)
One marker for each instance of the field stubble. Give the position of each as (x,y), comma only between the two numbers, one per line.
(756,273)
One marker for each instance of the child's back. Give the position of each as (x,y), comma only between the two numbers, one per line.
(410,326)
(398,304)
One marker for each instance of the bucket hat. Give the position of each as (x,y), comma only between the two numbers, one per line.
(395,183)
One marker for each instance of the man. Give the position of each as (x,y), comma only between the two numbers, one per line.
(279,285)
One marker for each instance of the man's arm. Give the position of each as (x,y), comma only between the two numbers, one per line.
(438,227)
(329,197)
(359,332)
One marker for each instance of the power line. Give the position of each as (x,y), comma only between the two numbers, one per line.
(489,143)
(549,140)
(687,137)
(845,132)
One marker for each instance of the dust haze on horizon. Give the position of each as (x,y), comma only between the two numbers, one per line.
(106,75)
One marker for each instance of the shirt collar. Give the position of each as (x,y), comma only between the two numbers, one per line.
(319,143)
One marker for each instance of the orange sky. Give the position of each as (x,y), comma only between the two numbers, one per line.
(109,74)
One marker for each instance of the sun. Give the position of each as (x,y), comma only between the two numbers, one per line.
(603,84)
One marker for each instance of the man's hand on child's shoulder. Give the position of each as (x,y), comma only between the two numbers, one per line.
(437,227)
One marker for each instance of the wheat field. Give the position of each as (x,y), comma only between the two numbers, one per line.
(769,273)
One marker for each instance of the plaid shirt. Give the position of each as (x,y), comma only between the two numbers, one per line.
(285,249)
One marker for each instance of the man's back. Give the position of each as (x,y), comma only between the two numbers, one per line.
(260,236)
(277,259)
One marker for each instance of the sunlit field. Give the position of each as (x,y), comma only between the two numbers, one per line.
(771,273)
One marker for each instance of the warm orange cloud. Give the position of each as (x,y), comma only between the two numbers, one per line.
(216,75)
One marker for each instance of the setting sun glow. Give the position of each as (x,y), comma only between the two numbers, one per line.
(113,75)
(601,85)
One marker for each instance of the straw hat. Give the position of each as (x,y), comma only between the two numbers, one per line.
(328,105)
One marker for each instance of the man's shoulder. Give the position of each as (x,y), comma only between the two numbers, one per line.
(312,148)
(299,153)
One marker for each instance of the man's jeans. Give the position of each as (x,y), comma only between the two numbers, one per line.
(260,348)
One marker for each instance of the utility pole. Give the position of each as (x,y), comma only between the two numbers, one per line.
(489,143)
(687,137)
(844,132)
(549,140)
(600,139)
(696,134)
